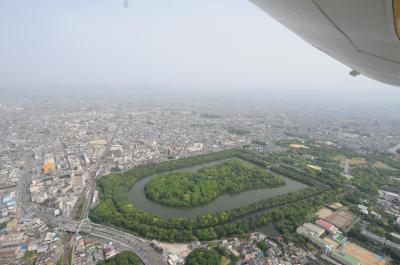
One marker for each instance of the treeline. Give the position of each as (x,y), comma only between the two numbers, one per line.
(142,171)
(309,178)
(195,188)
(121,213)
(286,219)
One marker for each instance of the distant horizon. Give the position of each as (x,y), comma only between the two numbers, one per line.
(78,47)
(341,98)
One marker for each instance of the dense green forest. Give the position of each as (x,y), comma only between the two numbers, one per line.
(203,256)
(123,258)
(195,188)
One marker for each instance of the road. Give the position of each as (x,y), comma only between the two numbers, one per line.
(90,188)
(23,195)
(140,247)
(137,245)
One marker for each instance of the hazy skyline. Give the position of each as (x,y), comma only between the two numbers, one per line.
(203,46)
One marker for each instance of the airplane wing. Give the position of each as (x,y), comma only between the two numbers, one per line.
(362,34)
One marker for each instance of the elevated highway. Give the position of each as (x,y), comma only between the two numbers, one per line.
(137,245)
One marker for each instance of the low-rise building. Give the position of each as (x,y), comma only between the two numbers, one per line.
(109,251)
(316,229)
(327,226)
(363,208)
(388,195)
(78,179)
(314,238)
(344,258)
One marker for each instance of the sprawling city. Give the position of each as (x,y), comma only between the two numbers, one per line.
(107,181)
(229,132)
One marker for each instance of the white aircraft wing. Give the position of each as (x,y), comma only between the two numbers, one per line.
(362,34)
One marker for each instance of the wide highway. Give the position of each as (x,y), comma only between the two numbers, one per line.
(137,245)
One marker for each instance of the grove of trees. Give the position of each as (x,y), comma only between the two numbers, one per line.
(195,188)
(203,256)
(123,258)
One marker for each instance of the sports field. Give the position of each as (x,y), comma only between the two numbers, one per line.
(365,256)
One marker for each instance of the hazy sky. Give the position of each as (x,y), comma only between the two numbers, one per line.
(209,45)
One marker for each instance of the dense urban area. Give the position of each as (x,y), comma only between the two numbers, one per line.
(196,181)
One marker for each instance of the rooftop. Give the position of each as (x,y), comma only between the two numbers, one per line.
(324,224)
(347,257)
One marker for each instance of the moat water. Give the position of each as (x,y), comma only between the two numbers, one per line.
(224,202)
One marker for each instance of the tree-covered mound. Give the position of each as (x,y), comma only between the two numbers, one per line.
(185,189)
(203,256)
(288,211)
(123,258)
